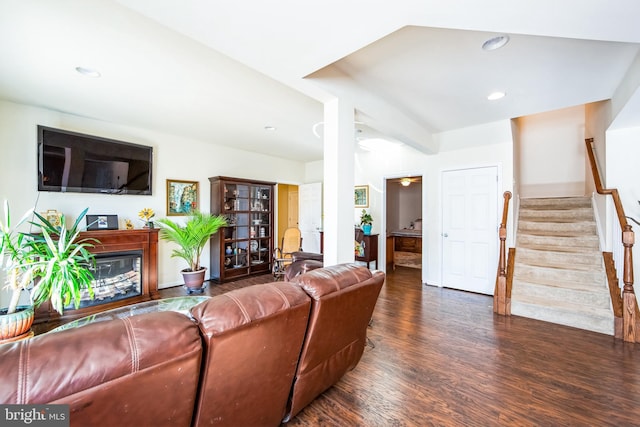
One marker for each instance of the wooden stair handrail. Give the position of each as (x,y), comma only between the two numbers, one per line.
(501,293)
(630,331)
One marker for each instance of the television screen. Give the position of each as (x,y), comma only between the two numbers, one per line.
(74,162)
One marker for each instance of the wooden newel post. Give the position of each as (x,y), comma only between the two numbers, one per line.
(502,263)
(500,301)
(628,294)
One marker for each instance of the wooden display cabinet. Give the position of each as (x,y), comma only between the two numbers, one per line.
(245,246)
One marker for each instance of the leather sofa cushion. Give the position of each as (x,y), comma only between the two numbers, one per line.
(252,339)
(324,281)
(141,370)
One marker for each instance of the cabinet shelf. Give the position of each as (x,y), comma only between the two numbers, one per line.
(245,246)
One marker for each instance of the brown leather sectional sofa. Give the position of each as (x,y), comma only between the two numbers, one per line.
(251,357)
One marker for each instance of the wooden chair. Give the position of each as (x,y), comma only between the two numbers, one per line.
(283,256)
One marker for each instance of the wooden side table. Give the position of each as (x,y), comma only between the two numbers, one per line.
(370,250)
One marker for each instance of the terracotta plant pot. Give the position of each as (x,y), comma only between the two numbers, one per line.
(16,325)
(193,280)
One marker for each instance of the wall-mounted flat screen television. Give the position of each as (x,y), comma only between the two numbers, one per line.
(74,162)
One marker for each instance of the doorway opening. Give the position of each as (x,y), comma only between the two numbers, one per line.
(287,210)
(404,222)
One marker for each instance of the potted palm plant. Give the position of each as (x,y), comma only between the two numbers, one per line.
(191,239)
(50,265)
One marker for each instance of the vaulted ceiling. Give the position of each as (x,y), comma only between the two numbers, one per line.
(229,72)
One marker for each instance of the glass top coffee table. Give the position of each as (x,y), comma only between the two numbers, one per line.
(178,304)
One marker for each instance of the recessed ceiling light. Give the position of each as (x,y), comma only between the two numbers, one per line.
(270,128)
(88,72)
(495,42)
(496,95)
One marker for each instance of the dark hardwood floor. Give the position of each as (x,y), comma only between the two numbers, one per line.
(441,357)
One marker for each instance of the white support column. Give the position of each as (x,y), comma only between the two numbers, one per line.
(339,152)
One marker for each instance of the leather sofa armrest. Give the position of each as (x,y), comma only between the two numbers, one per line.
(343,299)
(111,372)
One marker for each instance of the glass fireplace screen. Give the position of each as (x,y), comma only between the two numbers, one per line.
(117,276)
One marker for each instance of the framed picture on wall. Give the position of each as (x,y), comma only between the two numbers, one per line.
(361,196)
(182,197)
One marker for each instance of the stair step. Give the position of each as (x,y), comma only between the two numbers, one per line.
(597,320)
(574,279)
(557,228)
(551,202)
(556,215)
(558,243)
(549,295)
(559,273)
(546,258)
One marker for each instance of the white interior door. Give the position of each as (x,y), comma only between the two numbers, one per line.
(310,215)
(469,229)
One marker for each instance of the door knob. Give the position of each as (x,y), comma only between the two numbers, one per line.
(445,235)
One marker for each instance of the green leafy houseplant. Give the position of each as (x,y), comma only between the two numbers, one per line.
(13,254)
(52,265)
(191,239)
(365,218)
(62,265)
(365,222)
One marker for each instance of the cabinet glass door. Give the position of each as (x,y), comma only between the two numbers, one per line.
(236,208)
(260,217)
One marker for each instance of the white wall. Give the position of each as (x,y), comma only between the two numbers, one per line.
(174,158)
(404,205)
(623,173)
(597,118)
(624,100)
(553,154)
(485,145)
(373,167)
(411,199)
(477,146)
(314,172)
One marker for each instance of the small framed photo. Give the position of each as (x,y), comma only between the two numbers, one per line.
(102,222)
(53,216)
(182,197)
(361,196)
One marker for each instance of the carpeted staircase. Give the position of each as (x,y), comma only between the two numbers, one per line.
(559,275)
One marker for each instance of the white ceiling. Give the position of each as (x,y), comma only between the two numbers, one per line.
(220,71)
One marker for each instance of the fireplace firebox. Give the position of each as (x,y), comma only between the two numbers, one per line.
(117,276)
